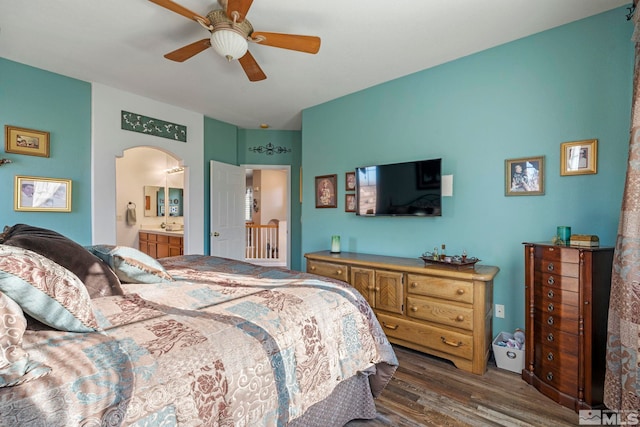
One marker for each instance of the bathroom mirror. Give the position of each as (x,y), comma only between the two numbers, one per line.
(155,201)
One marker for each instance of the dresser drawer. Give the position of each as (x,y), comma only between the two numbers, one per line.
(558,254)
(565,312)
(563,380)
(454,343)
(557,268)
(550,295)
(439,287)
(552,358)
(564,342)
(327,269)
(440,311)
(556,281)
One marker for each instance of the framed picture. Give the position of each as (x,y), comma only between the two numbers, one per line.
(579,157)
(26,141)
(524,177)
(349,202)
(350,181)
(34,193)
(326,191)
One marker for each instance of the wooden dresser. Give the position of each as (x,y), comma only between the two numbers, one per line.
(160,245)
(438,310)
(567,301)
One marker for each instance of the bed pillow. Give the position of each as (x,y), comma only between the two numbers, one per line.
(131,265)
(95,274)
(15,366)
(45,290)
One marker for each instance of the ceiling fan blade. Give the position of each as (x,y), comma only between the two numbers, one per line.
(308,44)
(251,68)
(186,52)
(241,7)
(175,7)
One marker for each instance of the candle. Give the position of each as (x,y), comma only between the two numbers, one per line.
(564,234)
(335,244)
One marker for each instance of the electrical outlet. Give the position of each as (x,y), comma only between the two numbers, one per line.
(500,311)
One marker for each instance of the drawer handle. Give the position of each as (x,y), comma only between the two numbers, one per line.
(550,267)
(392,327)
(313,268)
(338,271)
(460,318)
(550,294)
(460,291)
(550,307)
(550,356)
(414,285)
(414,308)
(550,376)
(550,321)
(550,280)
(550,337)
(451,343)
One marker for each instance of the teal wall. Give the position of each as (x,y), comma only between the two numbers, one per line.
(521,99)
(287,139)
(35,99)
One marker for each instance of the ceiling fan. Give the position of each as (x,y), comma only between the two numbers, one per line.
(230,32)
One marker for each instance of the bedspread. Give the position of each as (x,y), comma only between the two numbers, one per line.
(226,343)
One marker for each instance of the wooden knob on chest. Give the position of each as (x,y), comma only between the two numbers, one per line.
(414,285)
(460,318)
(414,308)
(460,291)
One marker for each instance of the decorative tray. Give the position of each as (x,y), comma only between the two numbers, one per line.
(453,261)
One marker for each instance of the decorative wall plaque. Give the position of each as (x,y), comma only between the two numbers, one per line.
(143,124)
(270,149)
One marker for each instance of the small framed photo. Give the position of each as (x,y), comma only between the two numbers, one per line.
(326,191)
(524,176)
(34,193)
(350,181)
(579,157)
(26,141)
(349,202)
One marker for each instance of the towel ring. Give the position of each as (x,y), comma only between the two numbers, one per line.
(131,205)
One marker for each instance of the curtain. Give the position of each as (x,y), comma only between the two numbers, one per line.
(622,377)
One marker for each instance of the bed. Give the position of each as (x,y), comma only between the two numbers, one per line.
(105,335)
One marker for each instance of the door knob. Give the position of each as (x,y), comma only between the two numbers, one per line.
(216,234)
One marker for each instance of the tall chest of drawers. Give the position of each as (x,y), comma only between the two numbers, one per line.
(437,310)
(567,302)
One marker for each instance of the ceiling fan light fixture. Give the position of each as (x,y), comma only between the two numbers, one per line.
(229,43)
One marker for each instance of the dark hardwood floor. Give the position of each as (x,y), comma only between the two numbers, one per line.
(429,391)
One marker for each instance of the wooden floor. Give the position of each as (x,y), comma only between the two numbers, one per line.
(428,391)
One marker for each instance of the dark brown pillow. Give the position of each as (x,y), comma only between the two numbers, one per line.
(99,279)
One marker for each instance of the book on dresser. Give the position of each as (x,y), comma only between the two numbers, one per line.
(587,240)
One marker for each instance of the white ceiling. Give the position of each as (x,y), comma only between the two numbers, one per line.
(121,43)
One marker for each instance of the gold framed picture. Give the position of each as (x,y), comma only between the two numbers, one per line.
(349,202)
(579,157)
(26,141)
(33,193)
(326,191)
(524,176)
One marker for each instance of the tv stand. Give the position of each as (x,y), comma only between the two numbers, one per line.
(435,309)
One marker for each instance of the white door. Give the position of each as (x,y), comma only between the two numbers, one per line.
(227,210)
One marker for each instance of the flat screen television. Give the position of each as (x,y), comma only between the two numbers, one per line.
(400,189)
